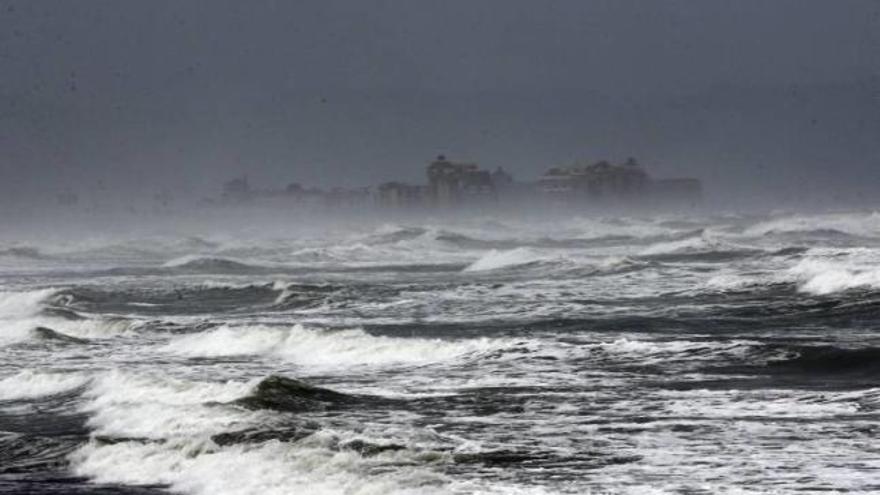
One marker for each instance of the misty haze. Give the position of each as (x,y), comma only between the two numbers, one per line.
(411,247)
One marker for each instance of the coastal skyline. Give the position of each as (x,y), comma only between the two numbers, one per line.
(752,97)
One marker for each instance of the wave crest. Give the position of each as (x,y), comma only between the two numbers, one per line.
(322,349)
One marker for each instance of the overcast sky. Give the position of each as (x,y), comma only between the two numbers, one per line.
(180,95)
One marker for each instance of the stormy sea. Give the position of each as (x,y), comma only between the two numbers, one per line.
(694,354)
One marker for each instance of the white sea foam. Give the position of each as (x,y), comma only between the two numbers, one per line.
(728,281)
(858,224)
(18,313)
(197,466)
(738,404)
(146,406)
(23,304)
(29,383)
(700,243)
(20,316)
(185,414)
(494,259)
(93,328)
(318,348)
(821,277)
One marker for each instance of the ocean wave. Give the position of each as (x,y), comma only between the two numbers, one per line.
(823,277)
(830,360)
(286,394)
(620,264)
(19,314)
(701,404)
(56,331)
(651,352)
(22,304)
(129,405)
(703,247)
(815,271)
(495,260)
(45,333)
(314,464)
(323,349)
(209,264)
(391,234)
(199,297)
(25,252)
(29,384)
(203,438)
(94,328)
(733,282)
(822,225)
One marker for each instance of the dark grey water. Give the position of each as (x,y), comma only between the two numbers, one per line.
(641,355)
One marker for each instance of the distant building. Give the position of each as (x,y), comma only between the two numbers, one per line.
(347,198)
(399,194)
(451,183)
(599,181)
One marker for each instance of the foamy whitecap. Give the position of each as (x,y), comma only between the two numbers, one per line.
(22,304)
(495,260)
(703,242)
(29,384)
(183,415)
(197,466)
(319,348)
(847,223)
(147,406)
(822,277)
(18,313)
(743,404)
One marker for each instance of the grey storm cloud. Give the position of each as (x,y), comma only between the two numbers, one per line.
(183,94)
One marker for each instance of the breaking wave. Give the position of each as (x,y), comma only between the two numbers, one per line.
(151,430)
(45,333)
(827,225)
(323,349)
(494,260)
(822,277)
(704,247)
(29,384)
(22,304)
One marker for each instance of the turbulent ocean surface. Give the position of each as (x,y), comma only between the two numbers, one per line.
(677,354)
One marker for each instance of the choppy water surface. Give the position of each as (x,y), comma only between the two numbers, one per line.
(640,355)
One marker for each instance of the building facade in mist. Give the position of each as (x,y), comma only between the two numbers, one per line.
(598,181)
(451,184)
(605,183)
(401,195)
